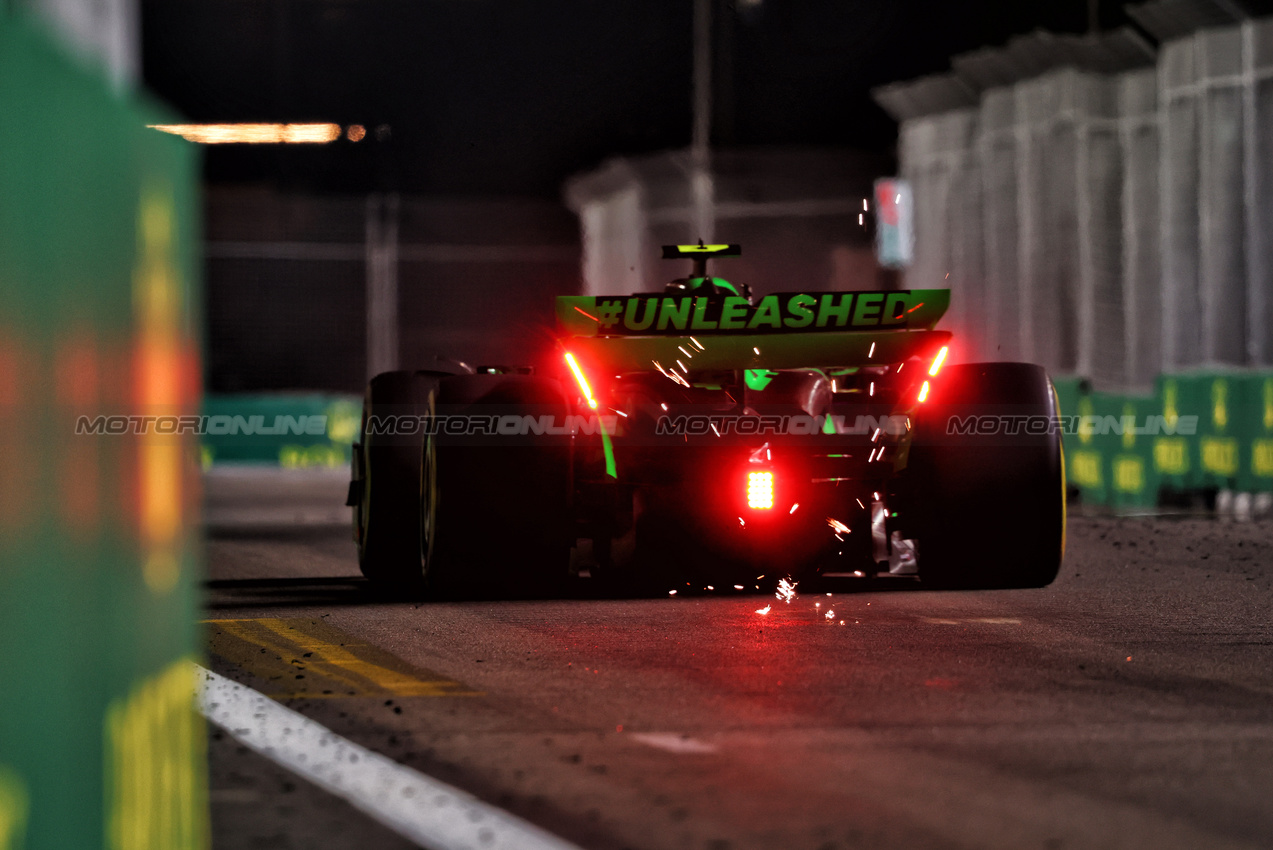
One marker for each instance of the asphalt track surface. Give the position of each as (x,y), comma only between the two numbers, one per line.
(1130,704)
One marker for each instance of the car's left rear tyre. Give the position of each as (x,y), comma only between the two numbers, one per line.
(387,480)
(496,511)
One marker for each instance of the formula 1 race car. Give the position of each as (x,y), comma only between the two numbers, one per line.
(705,434)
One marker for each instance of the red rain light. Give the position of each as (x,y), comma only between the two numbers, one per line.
(760,490)
(583,382)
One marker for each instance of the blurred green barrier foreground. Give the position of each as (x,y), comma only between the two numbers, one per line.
(100,744)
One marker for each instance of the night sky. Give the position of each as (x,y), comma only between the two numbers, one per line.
(510,97)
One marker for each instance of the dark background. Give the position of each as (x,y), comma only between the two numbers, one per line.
(509,97)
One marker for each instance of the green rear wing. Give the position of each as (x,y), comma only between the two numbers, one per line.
(781,331)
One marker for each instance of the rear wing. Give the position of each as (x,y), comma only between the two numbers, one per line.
(783,313)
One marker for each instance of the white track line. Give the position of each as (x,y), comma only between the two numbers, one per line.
(673,743)
(417,807)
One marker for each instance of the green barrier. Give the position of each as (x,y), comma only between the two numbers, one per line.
(1085,455)
(100,744)
(1198,431)
(1218,449)
(1133,480)
(292,430)
(1259,429)
(1173,452)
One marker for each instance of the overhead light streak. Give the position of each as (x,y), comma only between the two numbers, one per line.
(253,134)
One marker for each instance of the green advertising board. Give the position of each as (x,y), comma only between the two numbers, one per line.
(100,744)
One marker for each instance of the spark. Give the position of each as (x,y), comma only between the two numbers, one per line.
(755,349)
(742,522)
(682,365)
(872,392)
(681,348)
(861,218)
(670,374)
(876,435)
(738,587)
(589,315)
(709,587)
(860,505)
(671,593)
(842,622)
(793,509)
(714,431)
(764,610)
(830,615)
(664,406)
(839,528)
(916,307)
(758,578)
(865,208)
(871,353)
(697,344)
(620,412)
(786,590)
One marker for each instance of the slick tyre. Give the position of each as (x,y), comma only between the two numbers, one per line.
(988,500)
(387,477)
(496,507)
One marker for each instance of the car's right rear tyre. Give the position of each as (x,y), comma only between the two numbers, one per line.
(988,509)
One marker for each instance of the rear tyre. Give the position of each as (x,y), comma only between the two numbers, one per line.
(385,494)
(497,517)
(988,509)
